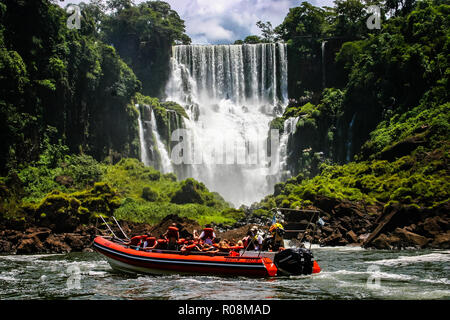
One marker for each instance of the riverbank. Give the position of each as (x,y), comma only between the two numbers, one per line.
(346,223)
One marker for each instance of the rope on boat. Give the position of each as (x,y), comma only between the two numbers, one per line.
(120,228)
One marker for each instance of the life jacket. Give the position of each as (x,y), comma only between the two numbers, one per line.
(151,241)
(277,230)
(208,233)
(181,241)
(172,232)
(136,240)
(190,247)
(161,244)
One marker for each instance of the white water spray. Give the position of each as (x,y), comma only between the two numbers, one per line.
(231,93)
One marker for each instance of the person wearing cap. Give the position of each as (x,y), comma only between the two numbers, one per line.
(253,240)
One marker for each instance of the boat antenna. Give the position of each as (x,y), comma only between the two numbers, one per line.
(120,227)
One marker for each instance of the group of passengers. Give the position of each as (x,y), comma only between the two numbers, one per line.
(208,242)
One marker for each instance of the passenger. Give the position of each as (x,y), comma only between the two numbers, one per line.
(161,244)
(275,242)
(149,243)
(209,248)
(172,236)
(208,235)
(224,246)
(190,245)
(196,236)
(136,242)
(253,240)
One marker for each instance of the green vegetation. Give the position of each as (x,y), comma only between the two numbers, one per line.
(128,189)
(387,105)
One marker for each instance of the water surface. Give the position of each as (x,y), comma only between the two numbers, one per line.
(347,273)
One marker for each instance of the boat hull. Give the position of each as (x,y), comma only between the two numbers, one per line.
(133,261)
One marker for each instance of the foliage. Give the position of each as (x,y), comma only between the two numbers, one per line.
(143,35)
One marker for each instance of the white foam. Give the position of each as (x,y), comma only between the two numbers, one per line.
(406,260)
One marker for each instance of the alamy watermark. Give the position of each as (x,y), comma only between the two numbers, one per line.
(374,280)
(74,20)
(250,150)
(73,272)
(374,21)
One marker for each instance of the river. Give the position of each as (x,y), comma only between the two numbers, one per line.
(347,273)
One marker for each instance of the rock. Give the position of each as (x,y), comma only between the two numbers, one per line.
(12,236)
(30,245)
(76,242)
(87,250)
(442,241)
(40,233)
(324,203)
(409,238)
(55,243)
(327,229)
(334,239)
(382,221)
(351,236)
(6,247)
(433,226)
(381,242)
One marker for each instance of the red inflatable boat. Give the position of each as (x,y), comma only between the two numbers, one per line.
(125,258)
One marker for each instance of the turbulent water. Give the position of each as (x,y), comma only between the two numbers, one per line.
(231,93)
(347,273)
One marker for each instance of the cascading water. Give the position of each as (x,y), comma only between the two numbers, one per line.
(144,153)
(323,64)
(350,140)
(290,126)
(231,93)
(153,150)
(166,164)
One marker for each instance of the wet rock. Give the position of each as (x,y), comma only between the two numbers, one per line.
(409,238)
(381,242)
(442,241)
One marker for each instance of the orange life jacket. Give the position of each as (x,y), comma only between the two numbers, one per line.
(151,241)
(134,241)
(172,232)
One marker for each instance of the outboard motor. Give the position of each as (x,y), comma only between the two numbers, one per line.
(294,261)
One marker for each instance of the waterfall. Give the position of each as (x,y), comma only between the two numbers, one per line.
(144,153)
(349,140)
(290,126)
(153,151)
(165,164)
(231,93)
(323,65)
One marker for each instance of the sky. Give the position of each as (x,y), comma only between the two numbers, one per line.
(224,21)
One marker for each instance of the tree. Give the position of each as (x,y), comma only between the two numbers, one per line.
(252,39)
(268,34)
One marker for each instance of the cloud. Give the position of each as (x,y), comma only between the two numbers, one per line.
(224,21)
